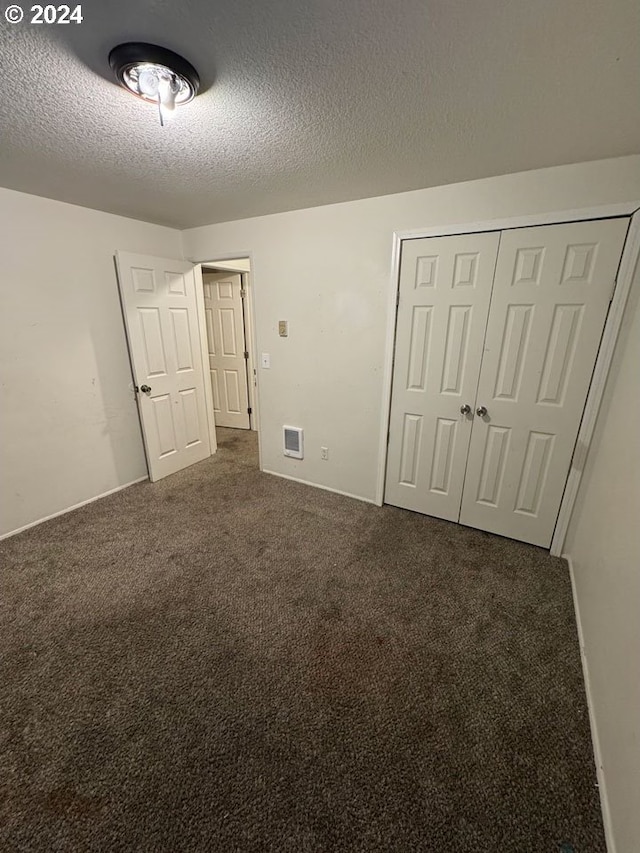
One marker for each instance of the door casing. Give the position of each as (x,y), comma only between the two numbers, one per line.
(629,261)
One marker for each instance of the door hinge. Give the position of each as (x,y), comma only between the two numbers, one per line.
(249,410)
(246,354)
(243,292)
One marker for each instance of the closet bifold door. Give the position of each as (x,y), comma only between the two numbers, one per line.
(445,290)
(551,294)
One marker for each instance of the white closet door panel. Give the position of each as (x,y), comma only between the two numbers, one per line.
(551,294)
(227,364)
(159,301)
(445,287)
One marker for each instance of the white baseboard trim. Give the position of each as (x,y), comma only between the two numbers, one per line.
(602,784)
(71,508)
(318,486)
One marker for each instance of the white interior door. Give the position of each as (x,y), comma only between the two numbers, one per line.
(445,289)
(227,348)
(551,294)
(159,302)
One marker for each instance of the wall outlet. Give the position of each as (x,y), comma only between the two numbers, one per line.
(324,453)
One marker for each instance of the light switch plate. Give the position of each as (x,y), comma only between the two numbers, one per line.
(265,360)
(283,328)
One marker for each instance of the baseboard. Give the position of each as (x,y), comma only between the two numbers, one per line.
(318,486)
(602,784)
(71,508)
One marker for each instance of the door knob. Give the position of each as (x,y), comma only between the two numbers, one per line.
(145,389)
(481,411)
(465,410)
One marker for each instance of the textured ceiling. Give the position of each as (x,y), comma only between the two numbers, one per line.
(307,103)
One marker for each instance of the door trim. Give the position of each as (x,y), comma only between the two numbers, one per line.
(252,362)
(629,261)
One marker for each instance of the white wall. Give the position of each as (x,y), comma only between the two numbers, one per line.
(604,545)
(326,270)
(69,425)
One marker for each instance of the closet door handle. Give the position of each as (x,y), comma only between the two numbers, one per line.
(465,410)
(481,411)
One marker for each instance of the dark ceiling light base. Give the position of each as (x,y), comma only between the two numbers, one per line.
(155,74)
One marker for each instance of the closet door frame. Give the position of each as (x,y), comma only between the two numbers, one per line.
(629,268)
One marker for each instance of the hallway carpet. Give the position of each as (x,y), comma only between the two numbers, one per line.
(228,661)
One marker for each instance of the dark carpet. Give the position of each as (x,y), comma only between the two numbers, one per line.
(228,661)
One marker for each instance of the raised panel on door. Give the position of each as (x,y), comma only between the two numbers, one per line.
(445,288)
(551,294)
(159,301)
(154,360)
(226,341)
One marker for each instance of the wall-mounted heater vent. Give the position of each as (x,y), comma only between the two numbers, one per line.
(293,442)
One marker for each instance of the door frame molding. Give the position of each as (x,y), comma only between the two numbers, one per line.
(626,272)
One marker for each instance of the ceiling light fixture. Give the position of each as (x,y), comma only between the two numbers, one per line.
(155,74)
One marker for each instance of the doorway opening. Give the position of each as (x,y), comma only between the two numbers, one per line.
(230,359)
